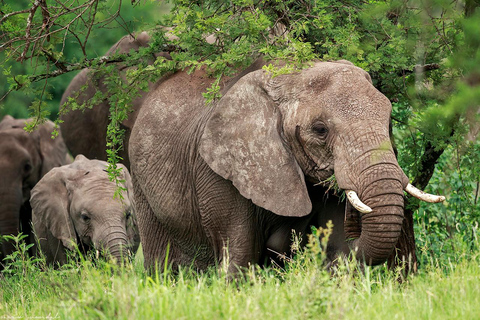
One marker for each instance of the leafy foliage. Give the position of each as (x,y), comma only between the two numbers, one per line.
(444,231)
(19,264)
(58,49)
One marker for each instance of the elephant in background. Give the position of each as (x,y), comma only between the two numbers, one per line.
(74,205)
(243,173)
(85,131)
(24,159)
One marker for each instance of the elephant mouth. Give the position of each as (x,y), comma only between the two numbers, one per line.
(84,246)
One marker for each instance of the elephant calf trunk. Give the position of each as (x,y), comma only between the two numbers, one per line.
(119,252)
(115,245)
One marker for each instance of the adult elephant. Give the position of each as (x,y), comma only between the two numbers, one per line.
(24,159)
(82,210)
(241,174)
(85,131)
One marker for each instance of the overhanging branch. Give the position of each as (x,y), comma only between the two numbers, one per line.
(419,68)
(77,66)
(89,63)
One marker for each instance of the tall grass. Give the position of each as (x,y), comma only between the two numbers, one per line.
(303,289)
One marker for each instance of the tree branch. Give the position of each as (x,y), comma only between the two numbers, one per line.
(28,29)
(8,15)
(420,68)
(88,63)
(428,161)
(77,66)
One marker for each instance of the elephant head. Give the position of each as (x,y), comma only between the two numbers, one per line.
(75,205)
(24,159)
(269,136)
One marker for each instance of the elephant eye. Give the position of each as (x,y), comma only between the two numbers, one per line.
(320,129)
(27,168)
(85,217)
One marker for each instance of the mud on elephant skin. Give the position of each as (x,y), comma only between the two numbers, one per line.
(74,204)
(241,173)
(24,159)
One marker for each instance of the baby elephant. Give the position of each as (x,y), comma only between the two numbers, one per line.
(74,204)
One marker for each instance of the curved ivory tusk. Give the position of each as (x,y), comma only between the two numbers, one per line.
(356,202)
(419,194)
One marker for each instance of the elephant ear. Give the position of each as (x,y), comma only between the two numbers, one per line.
(125,175)
(242,142)
(52,151)
(132,226)
(50,202)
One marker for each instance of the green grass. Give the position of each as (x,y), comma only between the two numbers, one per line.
(301,290)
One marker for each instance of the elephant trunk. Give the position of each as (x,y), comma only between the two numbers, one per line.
(115,244)
(11,202)
(373,235)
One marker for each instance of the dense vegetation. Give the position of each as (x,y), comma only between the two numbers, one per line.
(423,55)
(302,290)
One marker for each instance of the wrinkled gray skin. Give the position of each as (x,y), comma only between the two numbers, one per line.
(74,204)
(240,173)
(85,131)
(24,159)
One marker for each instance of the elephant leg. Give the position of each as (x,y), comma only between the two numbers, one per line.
(157,246)
(237,239)
(241,247)
(26,225)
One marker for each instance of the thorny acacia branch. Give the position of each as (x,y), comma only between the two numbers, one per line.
(53,24)
(62,69)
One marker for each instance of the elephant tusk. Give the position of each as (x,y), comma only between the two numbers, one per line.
(357,203)
(419,194)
